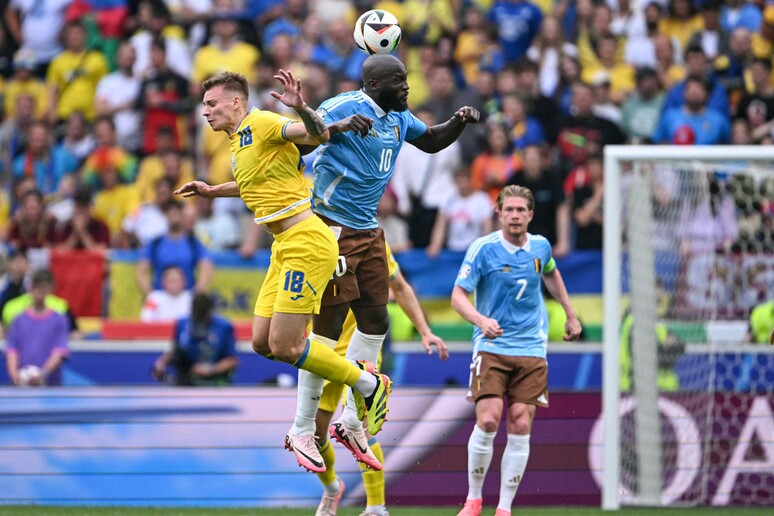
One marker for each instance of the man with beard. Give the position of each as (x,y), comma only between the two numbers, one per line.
(350,176)
(694,123)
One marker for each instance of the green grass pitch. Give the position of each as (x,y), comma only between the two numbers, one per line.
(37,510)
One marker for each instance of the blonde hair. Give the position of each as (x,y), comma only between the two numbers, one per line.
(516,191)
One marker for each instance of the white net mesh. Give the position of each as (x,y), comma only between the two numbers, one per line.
(698,256)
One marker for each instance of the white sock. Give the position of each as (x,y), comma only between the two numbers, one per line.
(379,510)
(310,387)
(480,450)
(333,488)
(512,468)
(361,347)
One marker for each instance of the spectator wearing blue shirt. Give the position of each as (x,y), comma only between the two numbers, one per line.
(694,123)
(696,65)
(178,248)
(517,23)
(204,348)
(739,13)
(43,161)
(524,130)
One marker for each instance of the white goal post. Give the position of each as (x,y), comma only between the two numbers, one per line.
(635,218)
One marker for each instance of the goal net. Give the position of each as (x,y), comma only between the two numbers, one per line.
(688,399)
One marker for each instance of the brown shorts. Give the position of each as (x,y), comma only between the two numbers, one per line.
(362,276)
(520,379)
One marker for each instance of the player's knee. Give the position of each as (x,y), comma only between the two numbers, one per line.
(286,351)
(372,320)
(519,427)
(261,346)
(488,422)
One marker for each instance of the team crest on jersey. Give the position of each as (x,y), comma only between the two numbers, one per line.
(322,112)
(506,268)
(464,272)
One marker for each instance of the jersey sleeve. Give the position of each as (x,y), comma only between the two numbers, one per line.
(470,270)
(333,110)
(271,126)
(392,264)
(548,260)
(416,127)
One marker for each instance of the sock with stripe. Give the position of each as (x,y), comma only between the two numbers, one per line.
(310,387)
(328,479)
(373,481)
(480,448)
(512,468)
(361,347)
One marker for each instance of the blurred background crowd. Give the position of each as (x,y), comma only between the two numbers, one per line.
(101,119)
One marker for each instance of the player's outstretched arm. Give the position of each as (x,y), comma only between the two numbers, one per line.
(555,285)
(407,300)
(357,123)
(202,189)
(461,303)
(312,131)
(440,136)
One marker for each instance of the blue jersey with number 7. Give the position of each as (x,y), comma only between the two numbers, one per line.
(351,172)
(506,281)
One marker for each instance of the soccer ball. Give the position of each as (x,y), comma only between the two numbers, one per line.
(30,375)
(377,32)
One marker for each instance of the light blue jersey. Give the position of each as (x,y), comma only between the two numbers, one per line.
(506,281)
(352,172)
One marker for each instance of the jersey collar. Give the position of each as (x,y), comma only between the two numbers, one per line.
(514,248)
(379,111)
(242,123)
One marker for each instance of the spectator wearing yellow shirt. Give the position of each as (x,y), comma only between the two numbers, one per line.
(223,53)
(165,162)
(763,41)
(669,72)
(73,76)
(24,82)
(622,80)
(682,22)
(471,43)
(114,201)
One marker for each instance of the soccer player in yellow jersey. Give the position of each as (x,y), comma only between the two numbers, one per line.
(268,174)
(373,478)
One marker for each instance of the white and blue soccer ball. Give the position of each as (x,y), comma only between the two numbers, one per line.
(377,32)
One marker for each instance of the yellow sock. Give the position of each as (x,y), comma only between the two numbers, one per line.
(373,481)
(321,360)
(329,457)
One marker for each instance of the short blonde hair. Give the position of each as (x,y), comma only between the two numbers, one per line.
(516,191)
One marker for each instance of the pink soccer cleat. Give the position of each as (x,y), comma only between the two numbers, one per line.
(356,442)
(472,507)
(307,454)
(330,504)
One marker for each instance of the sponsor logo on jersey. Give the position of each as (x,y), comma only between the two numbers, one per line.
(322,112)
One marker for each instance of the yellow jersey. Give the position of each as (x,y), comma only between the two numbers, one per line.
(268,168)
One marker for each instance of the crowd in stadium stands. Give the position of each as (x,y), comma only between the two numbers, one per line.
(101,118)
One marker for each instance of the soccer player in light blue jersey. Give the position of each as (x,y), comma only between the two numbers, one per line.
(367,128)
(505,269)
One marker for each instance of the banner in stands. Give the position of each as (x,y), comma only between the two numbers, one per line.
(223,447)
(237,281)
(79,278)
